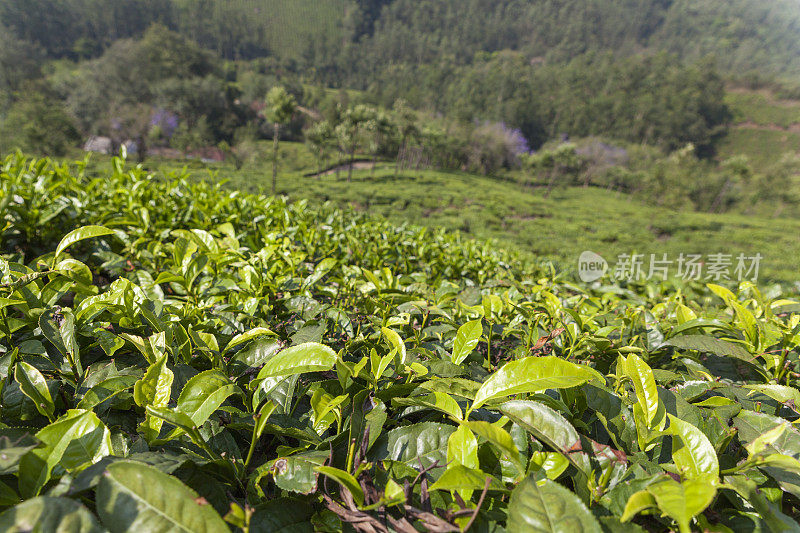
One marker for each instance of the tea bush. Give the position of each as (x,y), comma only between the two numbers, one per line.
(177,356)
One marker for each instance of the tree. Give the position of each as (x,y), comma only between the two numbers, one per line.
(406,121)
(279,110)
(38,122)
(383,130)
(349,131)
(320,138)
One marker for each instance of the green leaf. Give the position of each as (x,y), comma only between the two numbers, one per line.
(706,343)
(254,355)
(45,513)
(134,496)
(532,374)
(73,442)
(14,443)
(752,425)
(105,390)
(308,357)
(466,340)
(154,389)
(297,473)
(320,270)
(181,421)
(549,427)
(34,386)
(203,394)
(6,302)
(692,452)
(74,270)
(649,413)
(548,508)
(637,503)
(282,515)
(500,438)
(417,445)
(261,419)
(439,401)
(396,342)
(460,477)
(644,384)
(346,480)
(324,404)
(248,336)
(767,510)
(684,501)
(58,325)
(779,393)
(86,232)
(462,448)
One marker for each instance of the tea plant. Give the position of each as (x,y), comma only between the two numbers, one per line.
(176,356)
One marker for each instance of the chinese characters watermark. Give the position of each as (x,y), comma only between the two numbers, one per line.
(690,267)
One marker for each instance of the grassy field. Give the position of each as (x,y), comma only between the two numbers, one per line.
(558,228)
(764,127)
(760,107)
(762,146)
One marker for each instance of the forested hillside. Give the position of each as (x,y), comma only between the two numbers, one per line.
(743,35)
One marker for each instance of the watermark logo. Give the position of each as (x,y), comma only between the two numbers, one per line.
(634,267)
(591,266)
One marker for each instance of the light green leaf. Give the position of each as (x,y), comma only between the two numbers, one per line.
(637,503)
(296,473)
(684,501)
(648,411)
(320,270)
(33,385)
(180,420)
(692,452)
(462,448)
(533,374)
(153,389)
(261,419)
(396,342)
(59,328)
(248,336)
(462,478)
(466,340)
(346,480)
(767,511)
(780,393)
(439,401)
(553,463)
(307,357)
(500,438)
(86,232)
(74,441)
(706,343)
(203,394)
(417,445)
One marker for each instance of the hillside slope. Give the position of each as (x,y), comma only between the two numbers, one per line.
(559,228)
(764,128)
